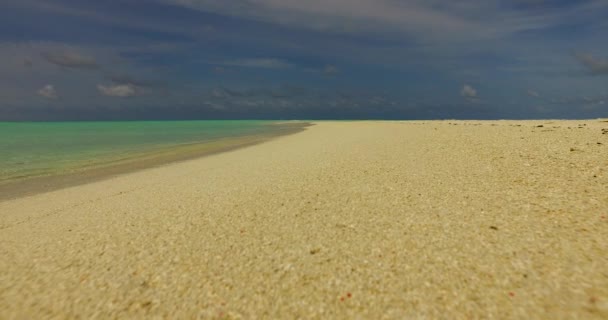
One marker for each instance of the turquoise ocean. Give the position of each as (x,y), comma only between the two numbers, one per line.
(30,149)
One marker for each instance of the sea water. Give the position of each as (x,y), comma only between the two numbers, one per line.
(30,149)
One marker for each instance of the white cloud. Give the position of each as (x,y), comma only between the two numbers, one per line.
(330,70)
(594,65)
(71,59)
(269,63)
(122,90)
(219,93)
(124,79)
(335,15)
(20,83)
(424,19)
(468,92)
(533,93)
(48,92)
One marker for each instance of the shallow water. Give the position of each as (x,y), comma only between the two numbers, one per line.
(30,149)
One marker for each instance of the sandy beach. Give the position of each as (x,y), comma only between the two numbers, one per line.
(344,220)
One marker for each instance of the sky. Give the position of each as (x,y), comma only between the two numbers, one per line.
(295,59)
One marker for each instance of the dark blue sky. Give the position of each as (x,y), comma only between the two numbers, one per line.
(294,59)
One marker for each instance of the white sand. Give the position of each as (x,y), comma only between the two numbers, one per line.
(349,220)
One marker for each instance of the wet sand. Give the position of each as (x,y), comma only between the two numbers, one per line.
(372,220)
(39,184)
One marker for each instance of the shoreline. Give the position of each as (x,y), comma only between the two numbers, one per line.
(23,187)
(343,220)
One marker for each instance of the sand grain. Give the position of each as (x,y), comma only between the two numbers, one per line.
(369,220)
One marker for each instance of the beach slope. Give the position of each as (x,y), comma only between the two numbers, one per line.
(372,220)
